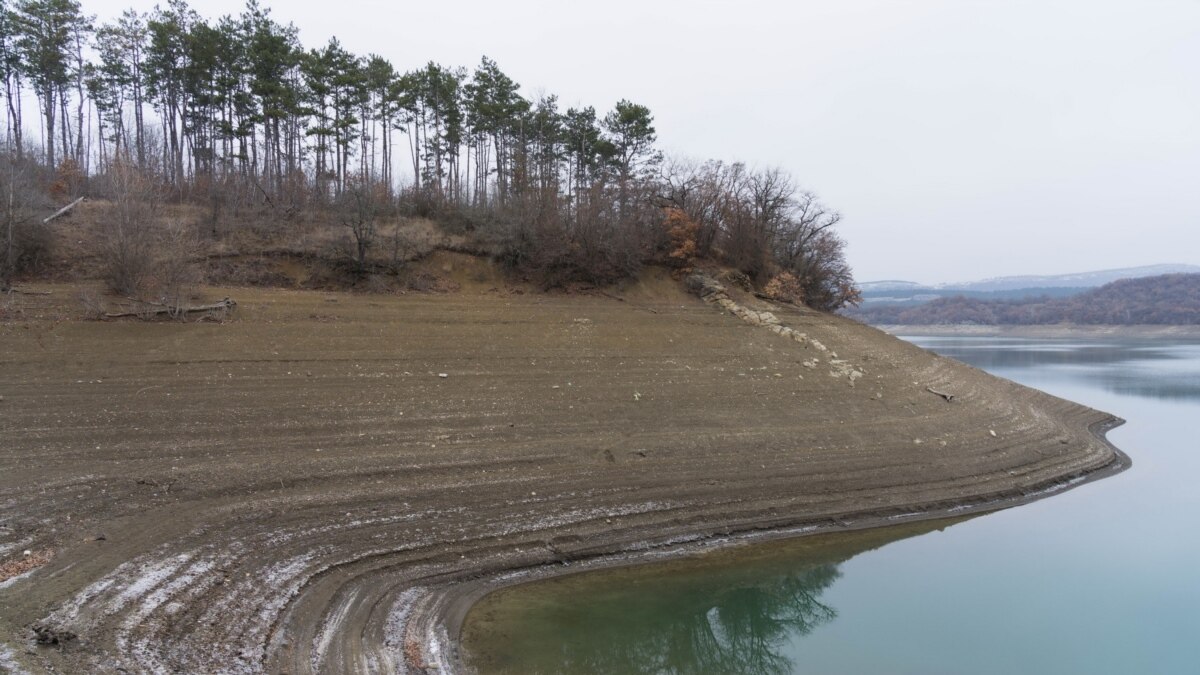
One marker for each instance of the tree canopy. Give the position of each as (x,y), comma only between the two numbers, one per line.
(236,108)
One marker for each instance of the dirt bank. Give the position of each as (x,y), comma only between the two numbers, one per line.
(317,484)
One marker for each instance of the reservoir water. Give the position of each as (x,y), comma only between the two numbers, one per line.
(1101,579)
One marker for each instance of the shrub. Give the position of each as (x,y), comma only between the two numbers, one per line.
(785,287)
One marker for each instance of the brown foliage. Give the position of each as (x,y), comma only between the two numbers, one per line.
(68,179)
(682,231)
(784,287)
(413,654)
(18,566)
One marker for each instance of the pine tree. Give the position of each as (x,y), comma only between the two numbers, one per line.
(10,71)
(47,33)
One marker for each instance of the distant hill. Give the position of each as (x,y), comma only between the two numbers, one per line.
(1076,280)
(1170,299)
(920,296)
(909,293)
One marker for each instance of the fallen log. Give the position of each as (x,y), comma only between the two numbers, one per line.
(948,397)
(63,210)
(155,309)
(18,291)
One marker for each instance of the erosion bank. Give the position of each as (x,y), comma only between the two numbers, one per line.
(306,487)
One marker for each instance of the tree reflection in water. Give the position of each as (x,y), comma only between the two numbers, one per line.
(730,613)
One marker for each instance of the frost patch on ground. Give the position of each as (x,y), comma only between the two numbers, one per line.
(532,521)
(436,658)
(397,622)
(281,537)
(148,576)
(70,611)
(329,630)
(142,651)
(9,663)
(12,580)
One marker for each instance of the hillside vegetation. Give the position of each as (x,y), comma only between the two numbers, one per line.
(1170,299)
(274,145)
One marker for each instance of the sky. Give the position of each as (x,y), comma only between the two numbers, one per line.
(960,139)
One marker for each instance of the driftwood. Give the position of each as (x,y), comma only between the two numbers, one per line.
(156,309)
(18,291)
(63,210)
(948,397)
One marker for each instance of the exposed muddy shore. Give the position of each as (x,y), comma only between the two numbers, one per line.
(443,621)
(326,482)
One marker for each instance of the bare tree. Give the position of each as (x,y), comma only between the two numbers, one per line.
(25,240)
(128,228)
(359,208)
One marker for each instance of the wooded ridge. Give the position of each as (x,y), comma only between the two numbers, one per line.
(1171,299)
(237,117)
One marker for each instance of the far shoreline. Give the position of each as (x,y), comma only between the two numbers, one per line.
(1054,331)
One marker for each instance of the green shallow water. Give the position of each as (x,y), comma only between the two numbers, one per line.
(1102,579)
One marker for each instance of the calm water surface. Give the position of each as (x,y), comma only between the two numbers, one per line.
(1102,579)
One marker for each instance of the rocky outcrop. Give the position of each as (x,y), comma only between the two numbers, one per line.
(714,292)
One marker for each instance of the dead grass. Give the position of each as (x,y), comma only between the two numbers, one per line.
(26,563)
(412,654)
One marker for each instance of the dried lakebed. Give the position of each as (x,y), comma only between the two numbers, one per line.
(326,482)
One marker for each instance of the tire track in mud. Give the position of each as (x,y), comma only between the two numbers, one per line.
(282,494)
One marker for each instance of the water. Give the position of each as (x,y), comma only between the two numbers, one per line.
(1102,579)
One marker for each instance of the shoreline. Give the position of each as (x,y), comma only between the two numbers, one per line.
(1057,331)
(443,623)
(324,482)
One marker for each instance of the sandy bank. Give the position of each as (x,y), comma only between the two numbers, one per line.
(324,483)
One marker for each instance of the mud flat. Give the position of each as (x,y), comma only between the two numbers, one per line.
(327,481)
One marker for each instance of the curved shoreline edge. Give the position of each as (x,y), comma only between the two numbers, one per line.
(346,476)
(439,617)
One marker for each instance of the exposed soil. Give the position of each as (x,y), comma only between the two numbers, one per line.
(322,482)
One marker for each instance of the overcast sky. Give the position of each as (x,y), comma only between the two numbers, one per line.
(961,139)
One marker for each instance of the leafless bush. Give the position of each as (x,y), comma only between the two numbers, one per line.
(175,275)
(9,309)
(128,229)
(359,208)
(92,304)
(24,241)
(594,242)
(377,283)
(403,244)
(761,223)
(145,258)
(824,274)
